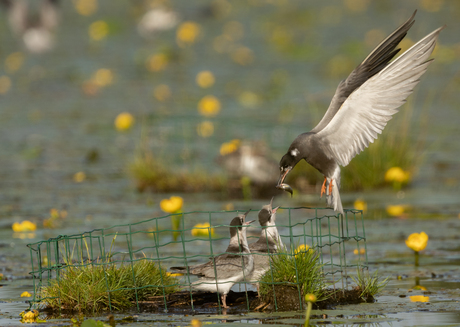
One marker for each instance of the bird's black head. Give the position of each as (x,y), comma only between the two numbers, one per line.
(288,162)
(238,223)
(267,214)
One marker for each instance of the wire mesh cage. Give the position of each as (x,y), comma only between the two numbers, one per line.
(142,253)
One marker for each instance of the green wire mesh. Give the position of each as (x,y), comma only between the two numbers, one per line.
(168,241)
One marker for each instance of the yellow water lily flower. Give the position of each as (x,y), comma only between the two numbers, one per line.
(310,298)
(187,33)
(360,251)
(205,79)
(5,84)
(417,242)
(396,210)
(25,294)
(209,106)
(79,177)
(205,129)
(124,121)
(98,30)
(229,147)
(397,174)
(174,274)
(202,230)
(419,298)
(360,204)
(196,323)
(25,226)
(172,205)
(30,317)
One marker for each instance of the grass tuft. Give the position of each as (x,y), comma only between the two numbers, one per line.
(88,288)
(151,173)
(369,285)
(289,269)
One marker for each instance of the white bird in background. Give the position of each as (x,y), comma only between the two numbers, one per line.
(35,28)
(157,20)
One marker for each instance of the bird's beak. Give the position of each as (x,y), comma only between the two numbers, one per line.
(283,186)
(274,209)
(246,213)
(249,222)
(282,177)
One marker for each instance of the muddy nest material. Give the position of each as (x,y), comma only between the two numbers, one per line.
(287,299)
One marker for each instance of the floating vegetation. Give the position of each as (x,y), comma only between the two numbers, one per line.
(151,174)
(103,286)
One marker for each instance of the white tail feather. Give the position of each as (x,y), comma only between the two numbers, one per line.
(334,200)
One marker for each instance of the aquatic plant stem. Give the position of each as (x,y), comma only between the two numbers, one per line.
(416,258)
(307,314)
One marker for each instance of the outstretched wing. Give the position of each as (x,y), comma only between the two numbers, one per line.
(377,60)
(367,110)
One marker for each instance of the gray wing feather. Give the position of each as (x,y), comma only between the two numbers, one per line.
(368,109)
(377,60)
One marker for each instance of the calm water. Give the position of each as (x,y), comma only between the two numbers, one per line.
(294,55)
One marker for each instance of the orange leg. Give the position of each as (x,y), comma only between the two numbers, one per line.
(323,188)
(330,187)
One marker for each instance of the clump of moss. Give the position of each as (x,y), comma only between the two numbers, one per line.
(290,272)
(89,288)
(152,174)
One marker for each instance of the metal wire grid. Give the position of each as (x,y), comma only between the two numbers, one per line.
(332,236)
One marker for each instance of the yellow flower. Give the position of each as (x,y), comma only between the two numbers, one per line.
(124,121)
(419,298)
(172,205)
(103,77)
(396,210)
(419,287)
(98,30)
(229,147)
(26,294)
(14,62)
(25,226)
(30,317)
(202,230)
(360,251)
(157,62)
(301,249)
(205,129)
(357,5)
(249,99)
(187,33)
(5,84)
(417,242)
(85,7)
(209,106)
(243,56)
(310,298)
(79,177)
(396,174)
(205,79)
(228,206)
(360,204)
(195,323)
(432,6)
(162,92)
(174,274)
